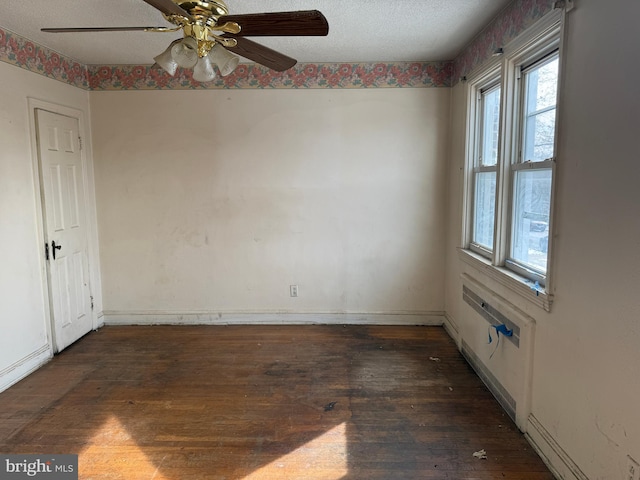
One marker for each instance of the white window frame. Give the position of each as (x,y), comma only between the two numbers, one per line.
(529,59)
(488,83)
(538,42)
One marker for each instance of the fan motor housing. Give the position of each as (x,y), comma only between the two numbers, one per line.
(197,8)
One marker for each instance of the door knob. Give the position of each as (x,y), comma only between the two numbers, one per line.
(54,247)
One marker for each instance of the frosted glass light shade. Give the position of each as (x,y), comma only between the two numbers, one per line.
(185,52)
(226,61)
(166,61)
(204,71)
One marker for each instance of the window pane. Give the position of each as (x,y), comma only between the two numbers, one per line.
(540,111)
(490,127)
(542,84)
(485,204)
(532,204)
(539,136)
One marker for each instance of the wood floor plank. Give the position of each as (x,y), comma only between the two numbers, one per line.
(266,402)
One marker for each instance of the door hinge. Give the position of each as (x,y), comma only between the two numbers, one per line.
(91,302)
(80,142)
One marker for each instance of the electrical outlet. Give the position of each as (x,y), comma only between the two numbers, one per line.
(633,470)
(293,290)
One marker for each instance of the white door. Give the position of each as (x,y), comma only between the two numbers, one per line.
(66,233)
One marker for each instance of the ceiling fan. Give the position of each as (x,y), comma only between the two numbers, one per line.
(210,34)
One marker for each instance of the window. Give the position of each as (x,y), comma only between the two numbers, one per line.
(485,168)
(532,169)
(511,161)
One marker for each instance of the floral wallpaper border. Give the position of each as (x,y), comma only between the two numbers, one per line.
(510,22)
(24,53)
(301,76)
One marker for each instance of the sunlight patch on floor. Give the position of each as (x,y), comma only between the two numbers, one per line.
(113,453)
(324,457)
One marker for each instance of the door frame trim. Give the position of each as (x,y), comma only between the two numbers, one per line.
(90,199)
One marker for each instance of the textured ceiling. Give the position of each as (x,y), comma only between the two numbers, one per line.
(359,30)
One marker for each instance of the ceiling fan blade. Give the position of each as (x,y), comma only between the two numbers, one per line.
(169,8)
(103,29)
(261,54)
(302,23)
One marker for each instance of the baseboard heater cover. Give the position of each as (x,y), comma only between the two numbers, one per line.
(506,367)
(495,387)
(491,314)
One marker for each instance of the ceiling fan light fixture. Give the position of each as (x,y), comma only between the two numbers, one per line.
(226,61)
(199,19)
(204,71)
(185,52)
(166,61)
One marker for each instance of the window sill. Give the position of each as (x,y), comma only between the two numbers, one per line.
(514,282)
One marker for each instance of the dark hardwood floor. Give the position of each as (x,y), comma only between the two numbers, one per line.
(266,402)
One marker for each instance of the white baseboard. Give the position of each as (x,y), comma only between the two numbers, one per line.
(235,318)
(553,455)
(99,321)
(451,327)
(23,367)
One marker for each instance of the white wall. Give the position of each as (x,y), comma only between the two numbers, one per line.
(587,350)
(24,341)
(217,201)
